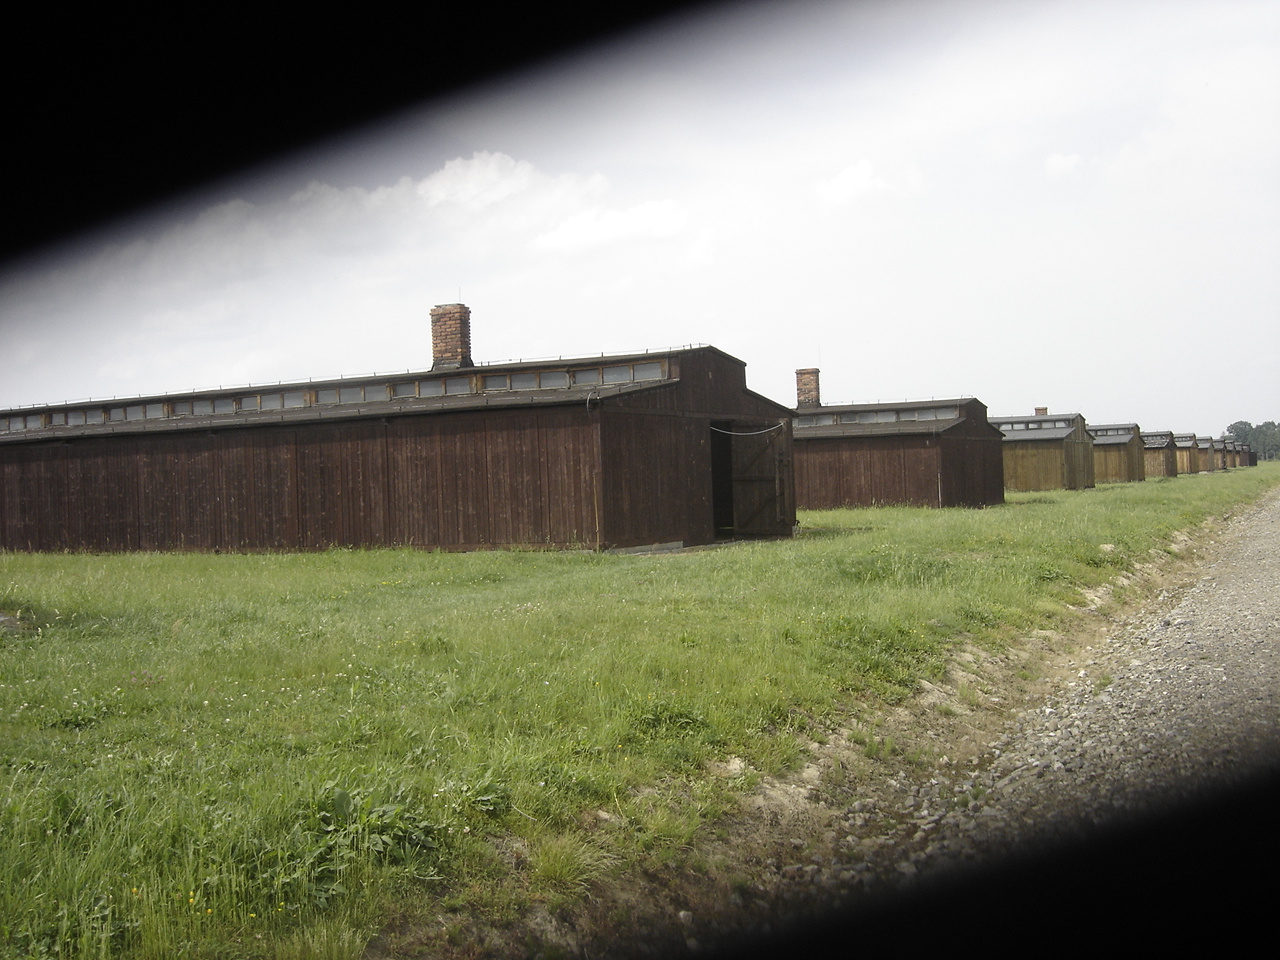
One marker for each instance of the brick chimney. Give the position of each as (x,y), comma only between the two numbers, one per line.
(451,336)
(1042,411)
(807,394)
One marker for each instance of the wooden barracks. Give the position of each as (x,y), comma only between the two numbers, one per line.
(667,447)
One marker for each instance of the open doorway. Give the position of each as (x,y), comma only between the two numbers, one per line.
(750,480)
(722,478)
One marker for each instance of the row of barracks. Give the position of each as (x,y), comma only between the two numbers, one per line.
(612,452)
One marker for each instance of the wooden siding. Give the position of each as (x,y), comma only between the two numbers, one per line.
(835,472)
(961,466)
(1161,463)
(1119,462)
(620,471)
(973,473)
(925,471)
(1048,464)
(762,478)
(657,486)
(468,480)
(1208,457)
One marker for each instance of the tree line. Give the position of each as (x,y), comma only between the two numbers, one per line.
(1264,439)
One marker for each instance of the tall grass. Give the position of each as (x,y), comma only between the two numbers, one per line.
(269,755)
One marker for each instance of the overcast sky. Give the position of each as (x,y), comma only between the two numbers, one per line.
(1064,204)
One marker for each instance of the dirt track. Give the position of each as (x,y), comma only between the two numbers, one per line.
(1141,783)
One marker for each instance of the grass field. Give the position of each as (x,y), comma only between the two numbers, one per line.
(270,755)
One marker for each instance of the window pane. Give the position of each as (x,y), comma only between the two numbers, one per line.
(247,404)
(182,408)
(554,378)
(825,419)
(294,399)
(202,408)
(581,377)
(34,421)
(271,401)
(431,388)
(58,419)
(804,421)
(617,374)
(455,385)
(648,371)
(224,405)
(94,416)
(495,381)
(75,418)
(115,413)
(350,394)
(328,395)
(524,381)
(154,411)
(409,389)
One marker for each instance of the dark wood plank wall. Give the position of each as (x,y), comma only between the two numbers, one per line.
(475,479)
(657,479)
(460,480)
(834,472)
(1078,449)
(1188,460)
(1119,462)
(1160,462)
(762,481)
(949,470)
(648,504)
(972,469)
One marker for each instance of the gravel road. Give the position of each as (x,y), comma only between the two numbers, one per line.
(1134,804)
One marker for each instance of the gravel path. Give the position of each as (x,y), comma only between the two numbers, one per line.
(1137,803)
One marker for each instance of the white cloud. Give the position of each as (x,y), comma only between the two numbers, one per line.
(654,219)
(856,180)
(1061,164)
(484,179)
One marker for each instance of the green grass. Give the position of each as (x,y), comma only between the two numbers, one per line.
(272,755)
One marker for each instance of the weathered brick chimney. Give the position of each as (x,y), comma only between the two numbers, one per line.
(451,336)
(807,394)
(1042,411)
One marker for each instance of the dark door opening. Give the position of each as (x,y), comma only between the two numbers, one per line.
(722,479)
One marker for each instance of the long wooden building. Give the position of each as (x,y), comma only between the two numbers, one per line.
(932,453)
(1159,453)
(1118,453)
(667,447)
(1210,454)
(1188,452)
(1046,452)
